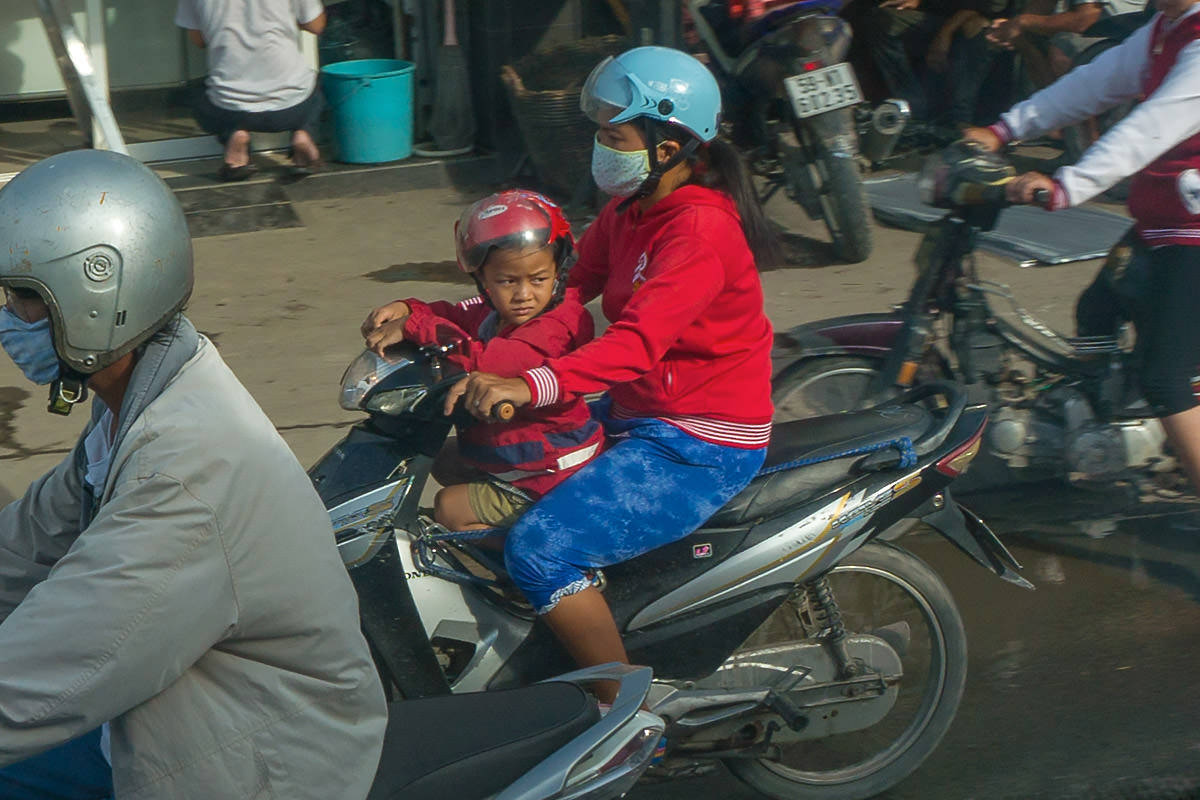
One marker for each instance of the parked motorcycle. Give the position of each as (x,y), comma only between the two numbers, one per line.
(789,97)
(548,741)
(815,661)
(1059,406)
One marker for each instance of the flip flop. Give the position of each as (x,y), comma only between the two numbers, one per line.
(229,173)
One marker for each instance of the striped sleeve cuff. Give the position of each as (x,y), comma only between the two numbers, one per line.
(543,385)
(1001,129)
(1059,198)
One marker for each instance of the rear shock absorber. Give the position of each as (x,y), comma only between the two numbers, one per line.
(827,616)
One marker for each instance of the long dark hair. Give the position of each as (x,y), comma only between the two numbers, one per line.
(718,165)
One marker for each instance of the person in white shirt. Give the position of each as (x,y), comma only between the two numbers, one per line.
(1158,143)
(258,79)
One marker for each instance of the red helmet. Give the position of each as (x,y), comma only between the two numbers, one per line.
(515,219)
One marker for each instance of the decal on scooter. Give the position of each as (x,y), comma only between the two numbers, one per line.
(702,551)
(879,499)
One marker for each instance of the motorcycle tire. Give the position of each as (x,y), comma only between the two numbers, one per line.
(823,385)
(877,588)
(846,211)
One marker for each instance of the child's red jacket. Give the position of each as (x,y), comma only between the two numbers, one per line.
(540,447)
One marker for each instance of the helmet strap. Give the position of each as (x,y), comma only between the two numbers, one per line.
(657,169)
(67,390)
(560,279)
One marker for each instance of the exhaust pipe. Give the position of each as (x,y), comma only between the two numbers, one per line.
(887,123)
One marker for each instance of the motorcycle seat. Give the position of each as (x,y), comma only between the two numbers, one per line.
(476,744)
(816,438)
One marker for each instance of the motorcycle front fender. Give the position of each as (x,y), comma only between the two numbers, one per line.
(869,335)
(971,535)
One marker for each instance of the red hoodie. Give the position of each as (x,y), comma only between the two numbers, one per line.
(540,447)
(689,341)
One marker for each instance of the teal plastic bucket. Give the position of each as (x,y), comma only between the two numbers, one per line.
(372,104)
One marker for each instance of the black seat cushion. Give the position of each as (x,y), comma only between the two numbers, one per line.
(813,438)
(473,745)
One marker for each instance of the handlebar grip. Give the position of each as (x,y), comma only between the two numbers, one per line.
(503,411)
(1041,197)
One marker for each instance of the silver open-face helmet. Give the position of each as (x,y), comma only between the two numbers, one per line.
(104,243)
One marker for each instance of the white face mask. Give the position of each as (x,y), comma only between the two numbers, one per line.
(619,173)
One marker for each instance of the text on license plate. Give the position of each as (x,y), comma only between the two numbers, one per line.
(823,90)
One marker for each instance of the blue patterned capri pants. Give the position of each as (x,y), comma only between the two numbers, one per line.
(654,485)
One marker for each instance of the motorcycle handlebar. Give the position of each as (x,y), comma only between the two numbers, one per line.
(995,195)
(503,411)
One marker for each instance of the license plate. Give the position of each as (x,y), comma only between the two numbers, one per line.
(823,90)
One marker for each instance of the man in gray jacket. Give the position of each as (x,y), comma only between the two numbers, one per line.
(176,575)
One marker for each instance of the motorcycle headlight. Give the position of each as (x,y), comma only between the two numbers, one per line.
(398,401)
(363,374)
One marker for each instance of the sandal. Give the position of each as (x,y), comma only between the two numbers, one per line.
(229,173)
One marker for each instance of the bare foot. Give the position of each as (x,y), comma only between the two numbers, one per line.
(237,149)
(304,150)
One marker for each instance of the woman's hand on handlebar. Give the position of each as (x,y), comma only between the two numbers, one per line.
(481,391)
(1031,188)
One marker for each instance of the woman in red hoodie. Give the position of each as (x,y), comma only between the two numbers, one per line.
(685,360)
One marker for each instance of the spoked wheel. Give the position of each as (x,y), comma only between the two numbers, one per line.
(884,591)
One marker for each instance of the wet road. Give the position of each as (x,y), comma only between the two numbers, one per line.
(1088,687)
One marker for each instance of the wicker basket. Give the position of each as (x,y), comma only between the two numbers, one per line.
(544,88)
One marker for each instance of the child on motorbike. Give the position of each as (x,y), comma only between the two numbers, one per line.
(1159,144)
(518,247)
(686,358)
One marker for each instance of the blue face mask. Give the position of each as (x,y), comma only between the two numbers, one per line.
(619,173)
(30,345)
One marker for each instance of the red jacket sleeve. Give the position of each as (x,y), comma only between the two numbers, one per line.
(683,277)
(440,322)
(551,334)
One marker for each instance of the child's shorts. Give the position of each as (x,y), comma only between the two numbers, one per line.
(496,503)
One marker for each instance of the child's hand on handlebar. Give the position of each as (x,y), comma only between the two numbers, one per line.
(1024,189)
(396,310)
(481,391)
(386,335)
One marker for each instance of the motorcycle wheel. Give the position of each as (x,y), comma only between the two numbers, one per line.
(824,385)
(845,207)
(878,588)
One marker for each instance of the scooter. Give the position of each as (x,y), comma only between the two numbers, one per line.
(548,741)
(779,633)
(1059,406)
(789,100)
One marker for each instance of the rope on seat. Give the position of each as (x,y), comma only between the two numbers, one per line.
(908,456)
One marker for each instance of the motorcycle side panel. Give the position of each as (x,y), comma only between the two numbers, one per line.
(793,545)
(459,613)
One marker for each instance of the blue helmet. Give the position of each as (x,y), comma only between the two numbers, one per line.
(656,83)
